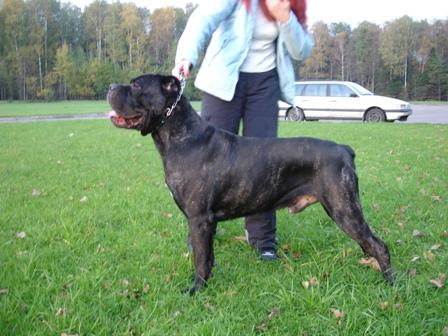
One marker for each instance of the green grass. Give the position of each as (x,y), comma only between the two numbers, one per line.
(74,107)
(20,109)
(116,263)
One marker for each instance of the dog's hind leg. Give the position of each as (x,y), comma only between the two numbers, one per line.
(343,206)
(201,232)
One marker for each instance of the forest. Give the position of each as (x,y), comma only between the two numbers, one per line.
(55,51)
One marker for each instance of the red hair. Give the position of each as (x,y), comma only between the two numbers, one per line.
(298,7)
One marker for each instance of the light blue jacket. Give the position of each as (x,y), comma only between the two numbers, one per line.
(230,26)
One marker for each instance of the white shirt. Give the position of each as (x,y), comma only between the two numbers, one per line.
(261,56)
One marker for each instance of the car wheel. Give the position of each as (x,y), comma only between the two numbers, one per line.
(375,115)
(295,114)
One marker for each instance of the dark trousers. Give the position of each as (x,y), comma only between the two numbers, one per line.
(255,103)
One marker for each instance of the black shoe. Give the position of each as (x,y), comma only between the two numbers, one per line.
(268,255)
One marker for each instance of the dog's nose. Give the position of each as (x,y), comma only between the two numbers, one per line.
(113,86)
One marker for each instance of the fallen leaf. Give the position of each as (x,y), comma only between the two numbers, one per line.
(239,238)
(275,313)
(167,214)
(21,235)
(36,193)
(60,312)
(370,262)
(135,294)
(4,291)
(398,306)
(439,282)
(337,313)
(314,282)
(435,247)
(170,276)
(383,305)
(285,248)
(125,282)
(415,259)
(209,306)
(406,167)
(262,327)
(176,313)
(146,289)
(65,334)
(403,209)
(305,284)
(401,226)
(445,331)
(417,234)
(429,256)
(84,199)
(296,254)
(445,234)
(413,273)
(436,198)
(71,135)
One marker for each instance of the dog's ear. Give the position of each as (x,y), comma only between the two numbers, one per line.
(170,86)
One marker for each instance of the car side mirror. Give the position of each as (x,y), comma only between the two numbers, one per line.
(354,95)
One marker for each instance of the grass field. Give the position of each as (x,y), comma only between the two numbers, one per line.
(74,107)
(92,243)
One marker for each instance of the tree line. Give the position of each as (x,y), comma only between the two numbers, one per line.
(52,51)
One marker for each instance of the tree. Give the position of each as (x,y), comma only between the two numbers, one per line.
(132,26)
(318,65)
(340,33)
(93,21)
(63,70)
(398,42)
(365,53)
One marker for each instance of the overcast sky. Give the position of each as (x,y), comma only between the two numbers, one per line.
(349,11)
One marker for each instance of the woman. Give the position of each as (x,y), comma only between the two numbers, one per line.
(247,68)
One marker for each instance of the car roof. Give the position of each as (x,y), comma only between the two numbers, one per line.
(322,82)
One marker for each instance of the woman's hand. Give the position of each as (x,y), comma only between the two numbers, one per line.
(182,67)
(279,9)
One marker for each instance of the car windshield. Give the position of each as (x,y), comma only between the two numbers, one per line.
(361,90)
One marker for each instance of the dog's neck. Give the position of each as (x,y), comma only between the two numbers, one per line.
(181,126)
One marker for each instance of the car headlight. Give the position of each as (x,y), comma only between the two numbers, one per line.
(404,107)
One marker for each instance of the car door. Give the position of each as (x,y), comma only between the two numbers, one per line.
(311,99)
(343,102)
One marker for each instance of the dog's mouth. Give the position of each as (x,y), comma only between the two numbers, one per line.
(129,122)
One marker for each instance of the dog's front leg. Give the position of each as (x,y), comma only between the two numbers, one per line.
(201,232)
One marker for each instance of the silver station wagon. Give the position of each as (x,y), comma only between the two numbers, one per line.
(316,100)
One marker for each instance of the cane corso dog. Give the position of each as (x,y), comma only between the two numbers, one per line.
(214,175)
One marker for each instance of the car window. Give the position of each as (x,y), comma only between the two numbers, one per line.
(362,90)
(315,90)
(340,90)
(299,89)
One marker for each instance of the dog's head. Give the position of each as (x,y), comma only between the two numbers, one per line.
(142,104)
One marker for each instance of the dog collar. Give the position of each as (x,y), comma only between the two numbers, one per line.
(168,111)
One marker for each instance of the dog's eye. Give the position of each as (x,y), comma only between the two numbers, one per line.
(136,89)
(135,86)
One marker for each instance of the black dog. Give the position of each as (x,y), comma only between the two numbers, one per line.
(215,175)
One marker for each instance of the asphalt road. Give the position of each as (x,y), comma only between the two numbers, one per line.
(432,114)
(428,114)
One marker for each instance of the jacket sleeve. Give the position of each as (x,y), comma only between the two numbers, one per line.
(200,26)
(297,40)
